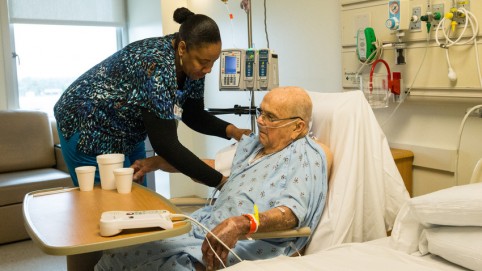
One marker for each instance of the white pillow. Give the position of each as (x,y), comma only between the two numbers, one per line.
(455,206)
(459,245)
(406,231)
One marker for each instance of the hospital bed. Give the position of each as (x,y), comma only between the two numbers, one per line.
(365,190)
(367,198)
(437,231)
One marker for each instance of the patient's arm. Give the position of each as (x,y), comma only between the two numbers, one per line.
(230,230)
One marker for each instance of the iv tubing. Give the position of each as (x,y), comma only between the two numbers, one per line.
(231,23)
(207,230)
(411,85)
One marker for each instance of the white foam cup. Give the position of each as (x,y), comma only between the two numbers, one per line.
(85,177)
(107,163)
(123,179)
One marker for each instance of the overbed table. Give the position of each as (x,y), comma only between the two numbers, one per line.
(66,221)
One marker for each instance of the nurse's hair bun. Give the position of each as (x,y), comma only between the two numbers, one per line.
(182,14)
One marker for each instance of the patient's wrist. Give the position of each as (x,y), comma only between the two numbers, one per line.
(242,224)
(253,223)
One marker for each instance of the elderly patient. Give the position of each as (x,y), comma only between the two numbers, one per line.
(281,170)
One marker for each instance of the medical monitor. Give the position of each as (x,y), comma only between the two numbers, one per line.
(231,68)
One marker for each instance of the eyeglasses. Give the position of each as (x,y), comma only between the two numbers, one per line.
(268,118)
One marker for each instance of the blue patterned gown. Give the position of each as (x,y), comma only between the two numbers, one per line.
(295,177)
(104,104)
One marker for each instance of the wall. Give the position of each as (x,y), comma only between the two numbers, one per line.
(297,31)
(301,57)
(428,121)
(143,19)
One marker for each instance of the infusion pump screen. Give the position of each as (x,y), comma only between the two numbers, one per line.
(230,64)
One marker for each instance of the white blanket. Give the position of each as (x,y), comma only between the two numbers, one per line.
(353,256)
(366,190)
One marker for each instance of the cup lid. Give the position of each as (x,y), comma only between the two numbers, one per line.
(85,169)
(123,171)
(110,158)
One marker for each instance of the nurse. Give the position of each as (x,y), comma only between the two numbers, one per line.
(143,90)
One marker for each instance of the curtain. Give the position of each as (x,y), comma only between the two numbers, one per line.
(68,12)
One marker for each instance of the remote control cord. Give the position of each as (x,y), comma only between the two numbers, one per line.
(207,230)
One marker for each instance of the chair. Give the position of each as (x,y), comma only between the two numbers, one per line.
(365,188)
(29,161)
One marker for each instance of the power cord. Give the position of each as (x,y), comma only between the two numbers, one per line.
(461,128)
(471,21)
(266,25)
(407,92)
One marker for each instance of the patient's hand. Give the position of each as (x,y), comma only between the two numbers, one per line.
(229,232)
(143,166)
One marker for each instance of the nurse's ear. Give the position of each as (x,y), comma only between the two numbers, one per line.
(181,48)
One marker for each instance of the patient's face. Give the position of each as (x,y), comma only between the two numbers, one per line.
(275,125)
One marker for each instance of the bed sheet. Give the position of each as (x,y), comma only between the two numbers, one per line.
(369,256)
(366,190)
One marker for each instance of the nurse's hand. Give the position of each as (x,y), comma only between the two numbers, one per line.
(144,166)
(236,133)
(227,231)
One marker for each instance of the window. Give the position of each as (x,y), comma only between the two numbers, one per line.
(51,57)
(54,42)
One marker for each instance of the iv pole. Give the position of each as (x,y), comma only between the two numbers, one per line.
(251,110)
(250,45)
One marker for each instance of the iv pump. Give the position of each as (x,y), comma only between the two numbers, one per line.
(248,69)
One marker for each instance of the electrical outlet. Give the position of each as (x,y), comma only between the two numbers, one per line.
(437,8)
(352,78)
(415,22)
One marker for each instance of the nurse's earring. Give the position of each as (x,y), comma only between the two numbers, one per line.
(181,48)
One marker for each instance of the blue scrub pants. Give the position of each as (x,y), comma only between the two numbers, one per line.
(74,158)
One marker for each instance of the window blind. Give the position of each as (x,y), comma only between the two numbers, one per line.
(68,12)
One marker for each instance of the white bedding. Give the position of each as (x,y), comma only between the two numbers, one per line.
(369,256)
(366,190)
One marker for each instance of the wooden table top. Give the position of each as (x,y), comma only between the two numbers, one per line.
(67,222)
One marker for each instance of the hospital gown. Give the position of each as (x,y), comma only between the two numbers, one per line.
(295,177)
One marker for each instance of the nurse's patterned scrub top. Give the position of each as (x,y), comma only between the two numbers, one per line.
(104,105)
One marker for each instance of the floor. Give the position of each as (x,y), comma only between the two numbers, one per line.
(25,255)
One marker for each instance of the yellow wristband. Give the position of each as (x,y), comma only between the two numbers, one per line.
(256,213)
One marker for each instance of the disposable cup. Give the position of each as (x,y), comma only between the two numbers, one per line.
(85,177)
(107,163)
(123,179)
